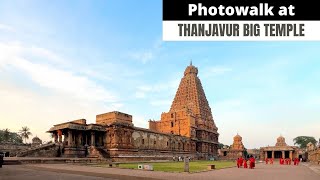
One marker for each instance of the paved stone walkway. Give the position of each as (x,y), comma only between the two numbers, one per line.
(262,172)
(18,172)
(314,167)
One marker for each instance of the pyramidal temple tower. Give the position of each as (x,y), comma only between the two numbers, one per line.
(190,115)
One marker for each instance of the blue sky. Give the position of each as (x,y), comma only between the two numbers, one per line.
(65,60)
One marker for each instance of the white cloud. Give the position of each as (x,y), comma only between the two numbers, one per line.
(61,93)
(171,85)
(143,56)
(214,71)
(45,75)
(5,27)
(117,106)
(42,52)
(140,95)
(165,103)
(140,121)
(21,106)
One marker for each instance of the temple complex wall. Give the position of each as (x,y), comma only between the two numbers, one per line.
(314,155)
(10,149)
(145,144)
(149,140)
(145,139)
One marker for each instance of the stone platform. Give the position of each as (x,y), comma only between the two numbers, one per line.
(43,160)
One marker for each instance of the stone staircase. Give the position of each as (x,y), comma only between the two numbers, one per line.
(97,152)
(47,150)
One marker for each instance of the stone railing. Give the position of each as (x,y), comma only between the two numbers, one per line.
(96,152)
(34,150)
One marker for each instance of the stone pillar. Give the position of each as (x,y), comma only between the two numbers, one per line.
(283,155)
(290,155)
(186,164)
(70,138)
(55,137)
(265,154)
(60,138)
(80,139)
(93,143)
(272,154)
(86,139)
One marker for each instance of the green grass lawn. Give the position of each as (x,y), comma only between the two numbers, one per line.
(194,166)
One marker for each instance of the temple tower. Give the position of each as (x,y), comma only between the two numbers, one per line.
(237,143)
(190,114)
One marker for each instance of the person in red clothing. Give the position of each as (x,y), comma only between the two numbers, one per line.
(252,162)
(271,161)
(238,163)
(245,165)
(267,160)
(295,161)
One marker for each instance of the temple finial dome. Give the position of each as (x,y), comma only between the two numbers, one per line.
(237,137)
(191,70)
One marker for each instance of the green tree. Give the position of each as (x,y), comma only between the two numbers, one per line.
(7,136)
(15,138)
(245,153)
(220,145)
(25,133)
(302,141)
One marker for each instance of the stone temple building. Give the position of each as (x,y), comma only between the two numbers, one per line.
(235,151)
(280,150)
(188,129)
(36,141)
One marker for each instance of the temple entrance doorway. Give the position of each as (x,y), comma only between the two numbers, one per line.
(277,154)
(269,154)
(286,154)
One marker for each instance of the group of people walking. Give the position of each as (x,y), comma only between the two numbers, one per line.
(284,161)
(269,159)
(244,162)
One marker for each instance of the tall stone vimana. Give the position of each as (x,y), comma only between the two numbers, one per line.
(190,114)
(188,129)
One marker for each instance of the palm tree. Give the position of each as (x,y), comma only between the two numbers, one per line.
(6,135)
(25,133)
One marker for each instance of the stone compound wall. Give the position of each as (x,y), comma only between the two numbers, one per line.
(230,154)
(314,155)
(48,150)
(149,140)
(13,148)
(143,144)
